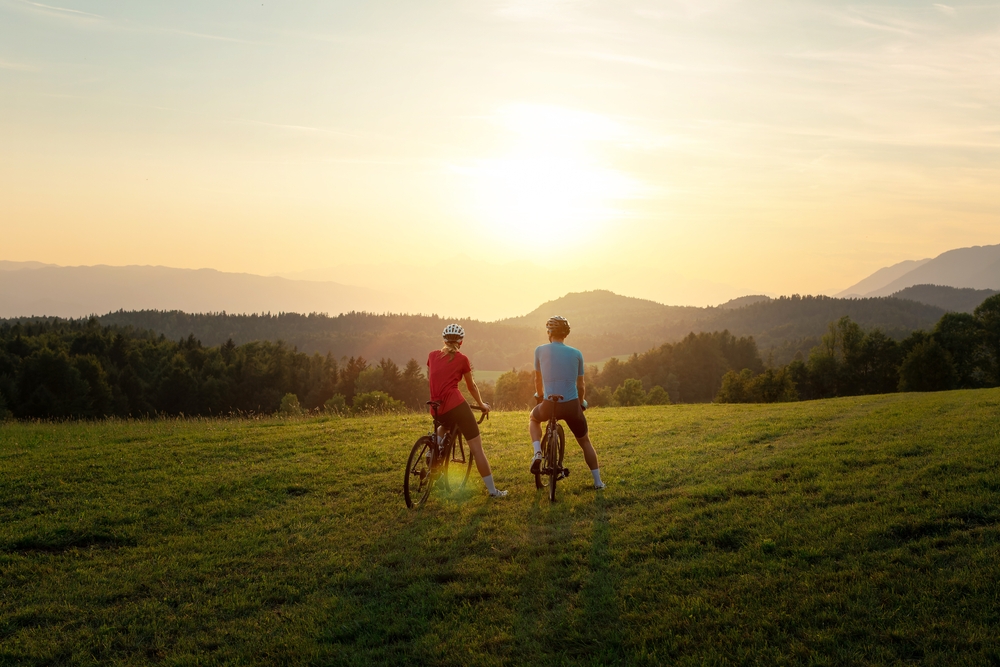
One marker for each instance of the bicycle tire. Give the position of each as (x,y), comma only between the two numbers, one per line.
(562,443)
(552,461)
(539,480)
(418,471)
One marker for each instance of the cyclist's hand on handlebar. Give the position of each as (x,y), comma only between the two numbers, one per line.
(538,399)
(485,407)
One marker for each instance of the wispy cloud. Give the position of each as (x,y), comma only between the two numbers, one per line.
(66,10)
(301,128)
(20,67)
(202,35)
(646,63)
(945,9)
(119,25)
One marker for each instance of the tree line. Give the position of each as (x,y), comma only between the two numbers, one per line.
(962,351)
(81,369)
(53,368)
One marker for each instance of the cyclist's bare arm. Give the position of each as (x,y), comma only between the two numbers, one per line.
(539,386)
(474,390)
(581,388)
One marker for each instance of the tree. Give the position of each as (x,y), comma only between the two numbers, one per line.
(928,367)
(515,390)
(290,406)
(988,315)
(735,387)
(349,377)
(774,385)
(49,385)
(700,364)
(376,403)
(413,391)
(657,396)
(336,405)
(630,393)
(962,335)
(599,397)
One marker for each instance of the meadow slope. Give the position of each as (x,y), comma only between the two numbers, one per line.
(848,531)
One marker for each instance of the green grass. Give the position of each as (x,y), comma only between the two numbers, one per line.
(850,531)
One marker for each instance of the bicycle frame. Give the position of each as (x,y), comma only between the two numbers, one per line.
(429,459)
(553,451)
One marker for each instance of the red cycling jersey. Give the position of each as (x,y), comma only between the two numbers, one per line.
(444,373)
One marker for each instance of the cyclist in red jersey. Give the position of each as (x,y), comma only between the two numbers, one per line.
(445,367)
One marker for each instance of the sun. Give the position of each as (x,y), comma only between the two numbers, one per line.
(550,185)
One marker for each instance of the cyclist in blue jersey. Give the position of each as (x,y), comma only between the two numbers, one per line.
(559,371)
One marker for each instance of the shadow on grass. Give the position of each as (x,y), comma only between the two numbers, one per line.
(390,611)
(568,612)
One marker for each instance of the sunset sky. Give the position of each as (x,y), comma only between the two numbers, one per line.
(687,151)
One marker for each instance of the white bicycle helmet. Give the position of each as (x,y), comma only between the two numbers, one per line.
(453,332)
(558,326)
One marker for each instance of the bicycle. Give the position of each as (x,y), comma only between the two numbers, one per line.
(553,450)
(429,460)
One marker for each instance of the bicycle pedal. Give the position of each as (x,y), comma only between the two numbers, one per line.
(564,473)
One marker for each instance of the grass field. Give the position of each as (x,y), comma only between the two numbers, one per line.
(849,531)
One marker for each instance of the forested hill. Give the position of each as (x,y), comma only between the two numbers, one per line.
(772,323)
(954,299)
(601,311)
(604,325)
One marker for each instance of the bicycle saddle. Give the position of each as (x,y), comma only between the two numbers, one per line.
(436,404)
(555,398)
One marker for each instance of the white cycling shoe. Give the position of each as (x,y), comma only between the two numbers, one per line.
(498,494)
(536,463)
(600,486)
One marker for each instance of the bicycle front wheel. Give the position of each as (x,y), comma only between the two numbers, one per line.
(418,480)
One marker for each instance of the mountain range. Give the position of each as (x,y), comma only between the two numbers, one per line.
(32,288)
(603,325)
(181,302)
(977,267)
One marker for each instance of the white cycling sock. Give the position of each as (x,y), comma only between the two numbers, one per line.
(537,444)
(596,472)
(488,480)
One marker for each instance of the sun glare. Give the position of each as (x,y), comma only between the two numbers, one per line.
(550,184)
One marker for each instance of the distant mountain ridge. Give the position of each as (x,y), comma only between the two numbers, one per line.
(881,278)
(601,311)
(952,299)
(977,267)
(78,291)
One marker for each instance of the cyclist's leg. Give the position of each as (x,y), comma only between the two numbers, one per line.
(589,453)
(482,463)
(577,423)
(540,414)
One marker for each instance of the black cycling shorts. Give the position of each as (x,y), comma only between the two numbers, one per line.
(570,412)
(463,417)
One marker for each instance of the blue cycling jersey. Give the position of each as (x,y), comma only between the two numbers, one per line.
(560,366)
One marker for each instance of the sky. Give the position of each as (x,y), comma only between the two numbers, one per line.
(684,151)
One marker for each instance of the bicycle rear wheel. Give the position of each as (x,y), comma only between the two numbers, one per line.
(539,478)
(552,464)
(418,479)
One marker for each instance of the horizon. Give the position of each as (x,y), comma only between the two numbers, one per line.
(685,153)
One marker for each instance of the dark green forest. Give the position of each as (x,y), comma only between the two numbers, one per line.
(52,368)
(81,369)
(962,350)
